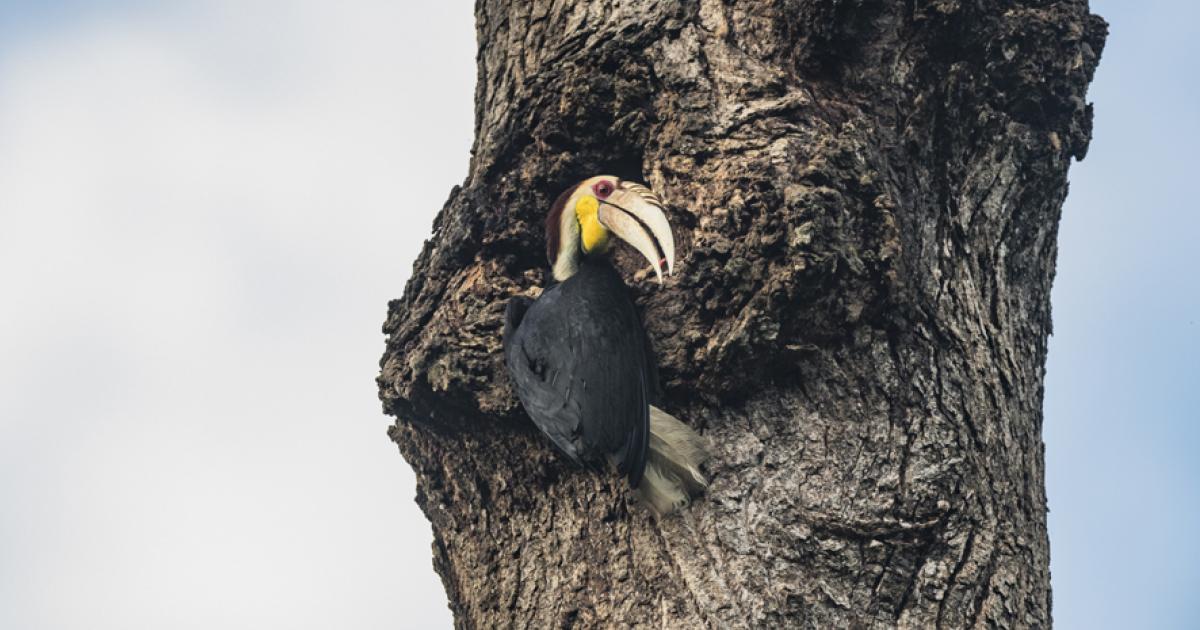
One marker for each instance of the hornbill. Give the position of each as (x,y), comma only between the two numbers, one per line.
(580,358)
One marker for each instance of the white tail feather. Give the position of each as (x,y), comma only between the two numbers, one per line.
(673,474)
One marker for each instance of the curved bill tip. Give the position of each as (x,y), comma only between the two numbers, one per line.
(635,214)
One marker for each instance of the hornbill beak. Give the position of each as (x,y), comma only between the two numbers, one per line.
(634,213)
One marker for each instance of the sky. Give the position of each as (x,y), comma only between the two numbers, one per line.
(1122,410)
(204,209)
(205,206)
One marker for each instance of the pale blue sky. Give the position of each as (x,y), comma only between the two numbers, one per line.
(204,209)
(1123,382)
(202,201)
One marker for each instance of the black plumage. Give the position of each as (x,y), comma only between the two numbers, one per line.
(582,367)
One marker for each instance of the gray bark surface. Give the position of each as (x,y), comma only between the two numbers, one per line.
(865,196)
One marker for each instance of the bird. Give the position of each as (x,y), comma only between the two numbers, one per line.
(580,359)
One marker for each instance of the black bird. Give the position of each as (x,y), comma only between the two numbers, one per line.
(579,356)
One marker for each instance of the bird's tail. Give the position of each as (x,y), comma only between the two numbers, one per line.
(673,474)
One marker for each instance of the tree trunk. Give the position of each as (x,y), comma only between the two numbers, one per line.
(866,197)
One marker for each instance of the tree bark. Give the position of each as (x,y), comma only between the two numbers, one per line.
(866,197)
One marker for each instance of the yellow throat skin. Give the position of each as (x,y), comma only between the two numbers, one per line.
(593,234)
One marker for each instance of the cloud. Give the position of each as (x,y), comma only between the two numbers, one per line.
(203,212)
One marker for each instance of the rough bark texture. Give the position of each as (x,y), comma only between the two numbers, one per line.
(866,197)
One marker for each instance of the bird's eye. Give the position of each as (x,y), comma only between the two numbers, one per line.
(603,189)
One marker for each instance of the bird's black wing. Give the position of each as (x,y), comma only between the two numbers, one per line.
(577,356)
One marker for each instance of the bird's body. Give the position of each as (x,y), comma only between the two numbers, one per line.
(580,362)
(580,359)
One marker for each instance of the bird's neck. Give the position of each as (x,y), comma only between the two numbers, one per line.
(567,263)
(570,250)
(572,253)
(577,263)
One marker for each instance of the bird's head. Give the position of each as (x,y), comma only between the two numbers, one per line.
(584,217)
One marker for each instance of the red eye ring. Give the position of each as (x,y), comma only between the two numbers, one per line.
(603,188)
